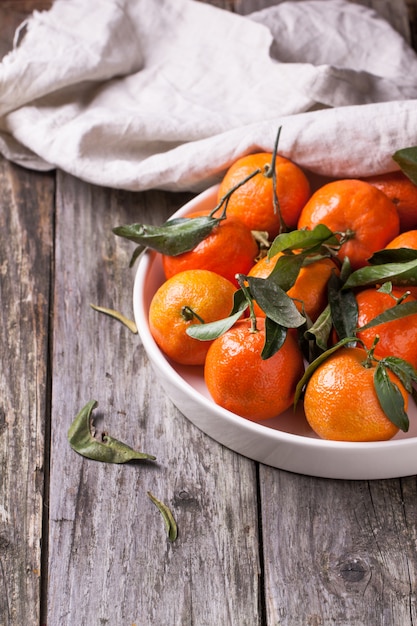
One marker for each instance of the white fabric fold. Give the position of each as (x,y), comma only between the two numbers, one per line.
(141,94)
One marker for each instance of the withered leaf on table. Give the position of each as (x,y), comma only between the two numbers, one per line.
(130,324)
(108,450)
(170,523)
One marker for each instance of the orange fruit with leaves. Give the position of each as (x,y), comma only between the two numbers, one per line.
(406,239)
(189,297)
(228,250)
(341,402)
(397,337)
(402,192)
(253,202)
(363,215)
(240,381)
(310,288)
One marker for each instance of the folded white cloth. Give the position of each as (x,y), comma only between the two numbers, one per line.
(141,94)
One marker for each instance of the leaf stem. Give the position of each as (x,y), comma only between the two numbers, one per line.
(188,314)
(225,199)
(241,278)
(271,172)
(370,358)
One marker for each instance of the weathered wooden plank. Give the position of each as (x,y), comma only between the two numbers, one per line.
(339,552)
(26,217)
(109,559)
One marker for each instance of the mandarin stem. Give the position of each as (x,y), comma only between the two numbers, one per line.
(225,199)
(188,314)
(270,171)
(241,280)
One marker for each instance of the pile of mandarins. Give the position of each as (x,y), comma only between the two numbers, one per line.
(272,301)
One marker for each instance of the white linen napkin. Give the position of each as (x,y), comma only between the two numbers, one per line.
(141,94)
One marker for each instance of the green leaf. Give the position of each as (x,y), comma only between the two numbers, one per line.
(170,523)
(275,336)
(393,255)
(400,274)
(343,307)
(396,312)
(175,237)
(407,160)
(286,270)
(109,450)
(240,302)
(136,254)
(345,270)
(212,330)
(402,369)
(316,363)
(275,303)
(386,288)
(304,239)
(321,329)
(390,398)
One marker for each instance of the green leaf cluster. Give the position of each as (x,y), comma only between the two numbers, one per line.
(299,248)
(342,315)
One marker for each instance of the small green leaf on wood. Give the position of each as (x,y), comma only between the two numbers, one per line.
(108,450)
(169,521)
(130,324)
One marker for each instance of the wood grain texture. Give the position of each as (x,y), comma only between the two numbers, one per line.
(343,552)
(109,559)
(26,209)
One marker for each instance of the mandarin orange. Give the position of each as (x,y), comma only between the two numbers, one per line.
(406,239)
(398,337)
(359,210)
(228,250)
(341,403)
(253,202)
(240,381)
(403,193)
(189,297)
(310,288)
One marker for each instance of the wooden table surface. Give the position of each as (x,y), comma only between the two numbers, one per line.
(81,544)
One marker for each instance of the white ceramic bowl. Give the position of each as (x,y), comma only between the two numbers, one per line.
(285,442)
